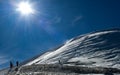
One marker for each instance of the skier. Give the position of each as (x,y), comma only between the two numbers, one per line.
(17,63)
(11,65)
(60,64)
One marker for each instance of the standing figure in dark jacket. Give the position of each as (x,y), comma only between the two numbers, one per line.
(17,63)
(11,65)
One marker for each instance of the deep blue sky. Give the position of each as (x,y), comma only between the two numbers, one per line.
(55,22)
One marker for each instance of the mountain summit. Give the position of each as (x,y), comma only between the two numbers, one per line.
(98,49)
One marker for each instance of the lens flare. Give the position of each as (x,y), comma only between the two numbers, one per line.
(25,8)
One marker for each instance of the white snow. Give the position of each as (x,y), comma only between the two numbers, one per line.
(101,33)
(54,53)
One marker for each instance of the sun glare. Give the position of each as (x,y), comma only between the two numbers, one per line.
(25,8)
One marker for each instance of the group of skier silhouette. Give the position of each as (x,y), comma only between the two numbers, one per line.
(12,65)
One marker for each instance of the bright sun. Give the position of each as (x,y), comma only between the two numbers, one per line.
(25,8)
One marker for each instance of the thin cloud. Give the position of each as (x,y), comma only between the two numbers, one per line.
(57,19)
(78,18)
(54,20)
(3,59)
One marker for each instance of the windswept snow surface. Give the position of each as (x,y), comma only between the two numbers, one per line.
(94,49)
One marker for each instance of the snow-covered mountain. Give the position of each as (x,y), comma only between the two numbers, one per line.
(94,49)
(97,52)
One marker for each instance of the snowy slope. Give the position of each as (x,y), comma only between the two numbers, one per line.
(4,71)
(94,49)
